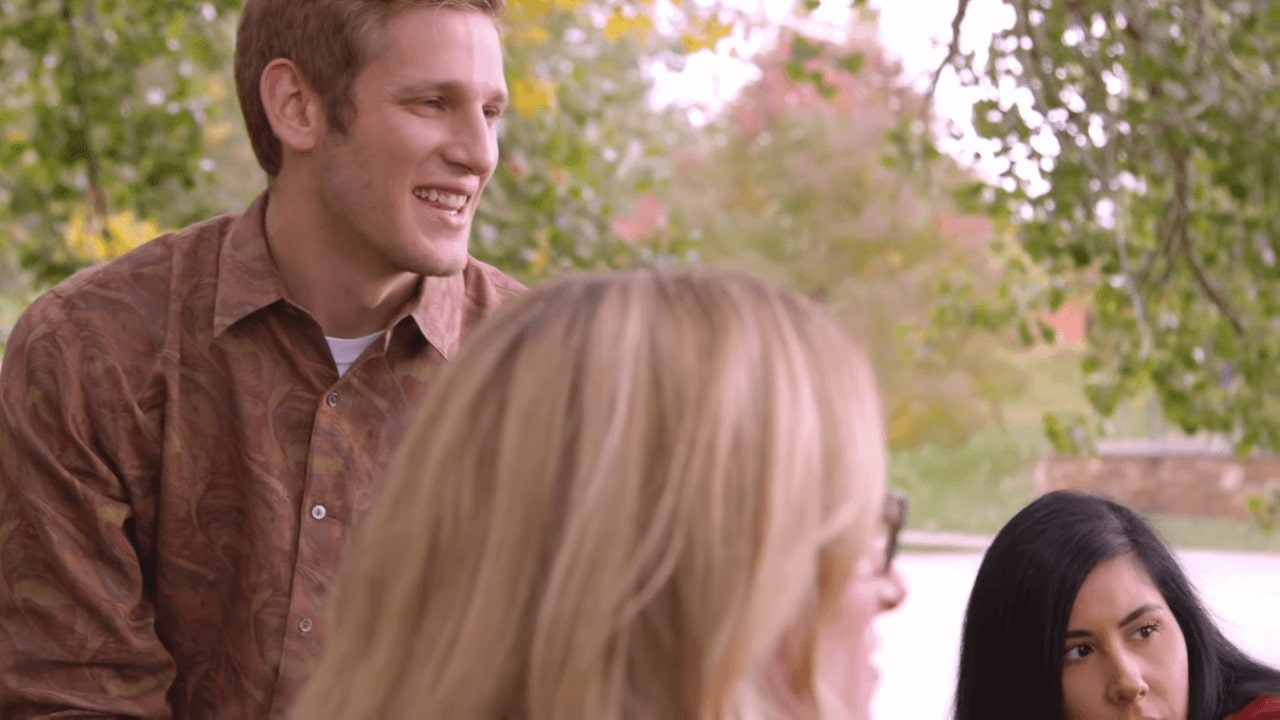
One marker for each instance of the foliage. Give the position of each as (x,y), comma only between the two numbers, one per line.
(1138,150)
(120,232)
(103,108)
(796,188)
(1265,510)
(15,292)
(121,112)
(582,143)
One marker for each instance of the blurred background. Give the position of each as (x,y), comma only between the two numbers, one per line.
(1053,223)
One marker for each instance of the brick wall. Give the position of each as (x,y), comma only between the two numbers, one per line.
(1209,484)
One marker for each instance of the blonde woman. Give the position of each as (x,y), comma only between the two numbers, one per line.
(636,495)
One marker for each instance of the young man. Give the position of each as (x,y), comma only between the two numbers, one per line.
(189,433)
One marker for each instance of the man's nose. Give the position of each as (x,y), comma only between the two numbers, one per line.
(474,145)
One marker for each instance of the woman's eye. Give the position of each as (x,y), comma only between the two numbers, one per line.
(1079,652)
(1147,631)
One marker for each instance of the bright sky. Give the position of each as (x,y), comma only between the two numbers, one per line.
(914,32)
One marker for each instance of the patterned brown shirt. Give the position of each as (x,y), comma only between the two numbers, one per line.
(180,466)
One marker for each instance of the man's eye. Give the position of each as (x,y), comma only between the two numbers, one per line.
(434,103)
(493,113)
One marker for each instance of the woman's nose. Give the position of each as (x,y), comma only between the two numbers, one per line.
(891,590)
(1127,683)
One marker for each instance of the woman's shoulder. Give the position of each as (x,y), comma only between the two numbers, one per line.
(1263,707)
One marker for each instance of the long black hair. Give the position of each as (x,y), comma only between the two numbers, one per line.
(1012,646)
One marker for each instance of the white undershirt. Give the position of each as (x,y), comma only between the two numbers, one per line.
(346,350)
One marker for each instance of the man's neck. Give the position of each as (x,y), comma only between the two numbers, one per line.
(348,294)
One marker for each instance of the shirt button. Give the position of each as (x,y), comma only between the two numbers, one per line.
(332,399)
(305,625)
(318,512)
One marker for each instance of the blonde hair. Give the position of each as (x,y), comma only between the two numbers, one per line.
(631,495)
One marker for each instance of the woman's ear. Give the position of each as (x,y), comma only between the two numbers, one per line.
(294,110)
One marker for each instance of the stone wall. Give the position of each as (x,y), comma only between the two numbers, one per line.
(1200,484)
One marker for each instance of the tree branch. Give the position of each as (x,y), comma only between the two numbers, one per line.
(1214,294)
(1119,202)
(97,196)
(953,49)
(1182,188)
(1163,250)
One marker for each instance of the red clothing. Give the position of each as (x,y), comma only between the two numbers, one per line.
(1263,707)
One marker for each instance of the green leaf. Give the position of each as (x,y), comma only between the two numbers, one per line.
(795,71)
(803,49)
(852,62)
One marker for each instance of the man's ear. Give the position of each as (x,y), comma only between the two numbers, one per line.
(293,108)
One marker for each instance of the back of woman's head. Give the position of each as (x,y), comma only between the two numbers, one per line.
(630,495)
(1013,641)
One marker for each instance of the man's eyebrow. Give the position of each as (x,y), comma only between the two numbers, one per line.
(1133,615)
(447,87)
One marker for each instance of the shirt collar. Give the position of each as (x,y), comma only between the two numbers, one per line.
(438,310)
(247,278)
(248,281)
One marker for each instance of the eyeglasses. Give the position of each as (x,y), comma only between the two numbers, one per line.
(894,518)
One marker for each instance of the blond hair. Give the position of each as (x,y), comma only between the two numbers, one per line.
(633,495)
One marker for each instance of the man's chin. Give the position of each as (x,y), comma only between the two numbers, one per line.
(444,268)
(443,261)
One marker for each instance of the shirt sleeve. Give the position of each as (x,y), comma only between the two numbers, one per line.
(1266,707)
(77,628)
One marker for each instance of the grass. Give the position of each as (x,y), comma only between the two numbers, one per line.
(977,486)
(971,488)
(1054,384)
(1215,534)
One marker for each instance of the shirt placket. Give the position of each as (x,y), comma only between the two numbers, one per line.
(324,513)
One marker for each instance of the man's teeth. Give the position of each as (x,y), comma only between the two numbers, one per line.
(450,200)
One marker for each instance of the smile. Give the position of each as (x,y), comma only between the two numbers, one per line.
(450,201)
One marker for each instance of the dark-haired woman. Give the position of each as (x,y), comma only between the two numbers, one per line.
(1081,612)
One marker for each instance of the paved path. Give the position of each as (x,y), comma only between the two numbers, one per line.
(920,641)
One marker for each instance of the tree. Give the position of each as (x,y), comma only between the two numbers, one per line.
(117,119)
(796,187)
(1139,146)
(102,117)
(582,142)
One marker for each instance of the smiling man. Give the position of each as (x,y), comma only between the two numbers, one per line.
(190,433)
